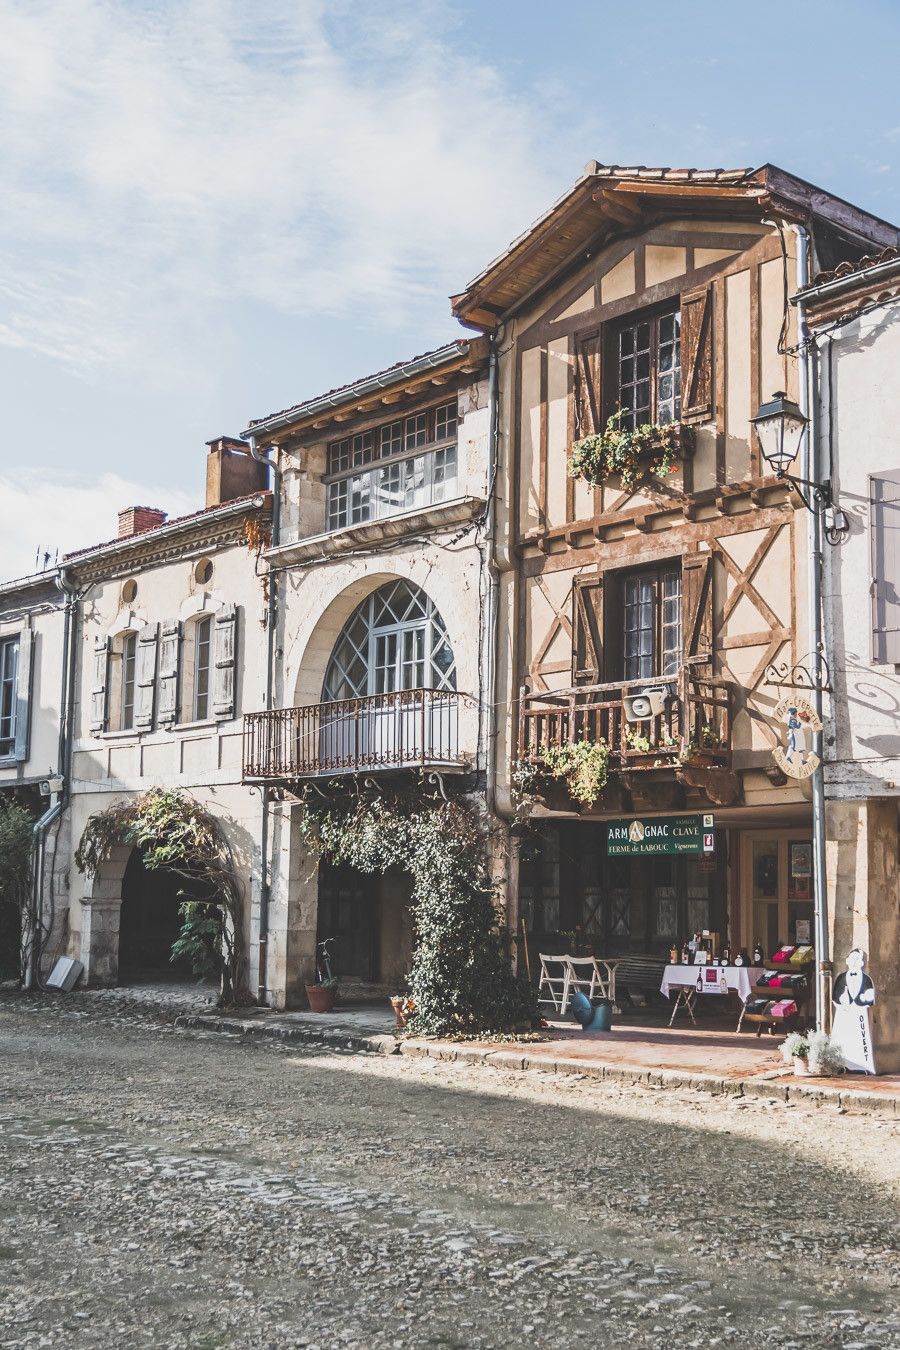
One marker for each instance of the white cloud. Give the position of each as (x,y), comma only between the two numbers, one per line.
(63,513)
(162,161)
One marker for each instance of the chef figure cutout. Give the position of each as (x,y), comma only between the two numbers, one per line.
(853,995)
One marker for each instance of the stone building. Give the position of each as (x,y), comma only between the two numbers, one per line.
(854,315)
(380,578)
(170,643)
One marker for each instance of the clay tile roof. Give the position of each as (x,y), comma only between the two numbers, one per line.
(167,526)
(847,269)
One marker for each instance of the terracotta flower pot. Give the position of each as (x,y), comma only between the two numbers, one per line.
(321,998)
(399,1006)
(801,1067)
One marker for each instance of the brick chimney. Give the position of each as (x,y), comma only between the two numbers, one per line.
(139,519)
(232,472)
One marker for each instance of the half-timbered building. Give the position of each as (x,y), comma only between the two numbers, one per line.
(655,297)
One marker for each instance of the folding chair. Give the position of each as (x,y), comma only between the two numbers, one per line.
(555,984)
(590,982)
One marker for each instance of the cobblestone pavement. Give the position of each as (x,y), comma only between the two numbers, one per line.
(173,1189)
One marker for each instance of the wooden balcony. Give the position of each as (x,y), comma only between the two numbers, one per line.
(693,730)
(414,728)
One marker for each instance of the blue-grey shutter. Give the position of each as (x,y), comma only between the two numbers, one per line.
(98,688)
(23,694)
(224,657)
(169,649)
(884,527)
(145,677)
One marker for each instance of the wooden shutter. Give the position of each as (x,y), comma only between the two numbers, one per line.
(145,676)
(169,650)
(587,630)
(587,385)
(884,526)
(98,688)
(697,355)
(224,653)
(23,694)
(697,606)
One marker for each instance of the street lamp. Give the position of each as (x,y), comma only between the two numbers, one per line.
(780,426)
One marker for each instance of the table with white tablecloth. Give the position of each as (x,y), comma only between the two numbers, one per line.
(682,980)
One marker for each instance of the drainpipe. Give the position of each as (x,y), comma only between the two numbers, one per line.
(265,886)
(493,633)
(815,562)
(32,974)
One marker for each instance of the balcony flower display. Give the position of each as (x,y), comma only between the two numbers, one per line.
(629,452)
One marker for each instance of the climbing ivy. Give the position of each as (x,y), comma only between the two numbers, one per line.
(175,833)
(462,978)
(16,826)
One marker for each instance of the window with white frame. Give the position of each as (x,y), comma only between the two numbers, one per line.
(202,667)
(402,466)
(128,682)
(394,640)
(9,672)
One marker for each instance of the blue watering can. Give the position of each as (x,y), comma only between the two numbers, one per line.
(593,1016)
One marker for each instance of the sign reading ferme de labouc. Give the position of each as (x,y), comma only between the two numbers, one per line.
(660,834)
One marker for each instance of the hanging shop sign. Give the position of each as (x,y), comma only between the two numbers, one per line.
(796,757)
(660,834)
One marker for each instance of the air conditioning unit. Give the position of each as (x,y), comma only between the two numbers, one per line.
(645,703)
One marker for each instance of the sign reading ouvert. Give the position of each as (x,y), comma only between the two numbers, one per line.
(796,757)
(660,834)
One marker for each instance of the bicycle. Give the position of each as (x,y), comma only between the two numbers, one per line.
(323,961)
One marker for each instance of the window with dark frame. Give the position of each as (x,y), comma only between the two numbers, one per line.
(651,623)
(645,360)
(9,670)
(403,465)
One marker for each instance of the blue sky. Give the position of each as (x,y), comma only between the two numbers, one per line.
(212,210)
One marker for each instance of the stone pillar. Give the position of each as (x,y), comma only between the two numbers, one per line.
(864,907)
(99,952)
(293,911)
(101,905)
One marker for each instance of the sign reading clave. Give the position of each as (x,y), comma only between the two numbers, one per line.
(660,834)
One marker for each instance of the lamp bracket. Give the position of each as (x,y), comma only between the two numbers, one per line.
(810,672)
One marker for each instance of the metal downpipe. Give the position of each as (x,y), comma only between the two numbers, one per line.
(815,561)
(265,887)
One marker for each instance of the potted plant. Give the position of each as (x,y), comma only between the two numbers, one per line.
(826,1058)
(795,1051)
(403,1007)
(321,994)
(705,747)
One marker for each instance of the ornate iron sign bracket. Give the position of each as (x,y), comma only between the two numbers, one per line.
(809,673)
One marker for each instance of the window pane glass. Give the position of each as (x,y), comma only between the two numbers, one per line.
(416,431)
(391,439)
(445,421)
(385,646)
(129,651)
(9,660)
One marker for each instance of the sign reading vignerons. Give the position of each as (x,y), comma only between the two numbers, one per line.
(660,834)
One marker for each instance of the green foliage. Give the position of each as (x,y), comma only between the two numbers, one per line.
(462,978)
(630,453)
(173,832)
(583,764)
(15,882)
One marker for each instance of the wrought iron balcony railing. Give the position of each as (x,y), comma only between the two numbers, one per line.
(408,729)
(694,726)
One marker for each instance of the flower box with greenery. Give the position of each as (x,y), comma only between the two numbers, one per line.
(629,453)
(582,765)
(704,747)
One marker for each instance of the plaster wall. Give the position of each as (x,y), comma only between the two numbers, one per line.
(863,749)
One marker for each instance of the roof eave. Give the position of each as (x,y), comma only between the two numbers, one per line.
(450,355)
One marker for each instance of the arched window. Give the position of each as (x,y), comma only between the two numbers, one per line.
(394,640)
